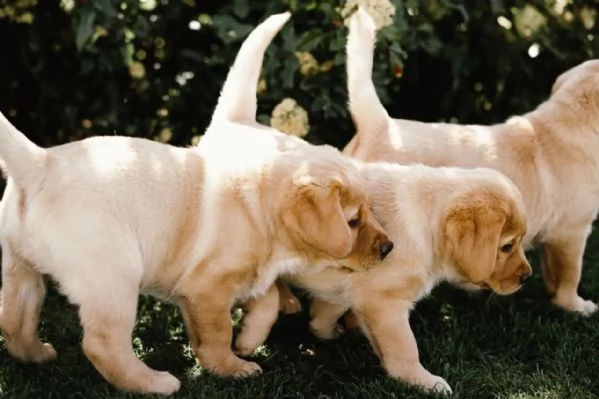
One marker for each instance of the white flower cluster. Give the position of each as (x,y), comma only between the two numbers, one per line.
(308,64)
(289,117)
(381,11)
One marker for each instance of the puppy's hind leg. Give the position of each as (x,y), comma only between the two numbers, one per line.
(23,294)
(562,268)
(108,318)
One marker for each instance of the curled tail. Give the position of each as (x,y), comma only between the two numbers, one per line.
(365,106)
(22,160)
(238,99)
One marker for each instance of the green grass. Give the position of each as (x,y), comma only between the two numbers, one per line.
(485,346)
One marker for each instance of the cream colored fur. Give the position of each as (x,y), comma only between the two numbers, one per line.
(464,226)
(110,217)
(549,153)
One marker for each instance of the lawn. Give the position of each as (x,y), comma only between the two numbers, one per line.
(484,345)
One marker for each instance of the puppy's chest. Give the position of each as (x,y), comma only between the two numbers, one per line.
(267,274)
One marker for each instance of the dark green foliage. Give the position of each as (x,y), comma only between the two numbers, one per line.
(67,74)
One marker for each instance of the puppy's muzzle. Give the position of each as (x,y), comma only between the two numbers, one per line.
(385,248)
(524,277)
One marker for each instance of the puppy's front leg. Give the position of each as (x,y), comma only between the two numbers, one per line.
(208,319)
(260,315)
(561,260)
(386,323)
(325,316)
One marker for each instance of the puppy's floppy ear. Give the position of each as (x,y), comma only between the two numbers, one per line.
(473,239)
(314,214)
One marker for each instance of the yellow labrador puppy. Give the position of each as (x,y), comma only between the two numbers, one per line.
(549,153)
(464,226)
(110,217)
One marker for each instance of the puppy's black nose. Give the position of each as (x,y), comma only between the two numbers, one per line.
(524,277)
(385,248)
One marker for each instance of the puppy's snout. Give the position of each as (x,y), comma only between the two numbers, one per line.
(524,277)
(385,248)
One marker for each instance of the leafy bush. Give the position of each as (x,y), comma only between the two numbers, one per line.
(153,68)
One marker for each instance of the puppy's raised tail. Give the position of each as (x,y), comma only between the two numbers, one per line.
(21,159)
(365,106)
(237,101)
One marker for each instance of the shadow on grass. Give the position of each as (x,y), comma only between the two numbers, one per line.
(484,345)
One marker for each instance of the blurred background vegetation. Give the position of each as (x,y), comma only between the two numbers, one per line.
(154,68)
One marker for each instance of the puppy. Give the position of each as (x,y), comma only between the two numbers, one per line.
(110,217)
(464,226)
(549,153)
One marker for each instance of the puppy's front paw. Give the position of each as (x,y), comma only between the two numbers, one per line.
(164,383)
(37,353)
(576,304)
(414,373)
(326,331)
(439,385)
(45,354)
(246,369)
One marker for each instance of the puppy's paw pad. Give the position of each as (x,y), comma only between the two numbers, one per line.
(247,369)
(327,332)
(164,383)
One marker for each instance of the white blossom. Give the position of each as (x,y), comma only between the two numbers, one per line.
(289,117)
(381,11)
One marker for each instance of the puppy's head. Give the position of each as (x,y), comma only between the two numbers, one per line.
(483,236)
(328,215)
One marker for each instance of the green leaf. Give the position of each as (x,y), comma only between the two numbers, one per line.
(309,40)
(241,8)
(229,30)
(105,7)
(337,44)
(395,61)
(293,4)
(84,28)
(289,69)
(141,26)
(391,33)
(396,49)
(318,104)
(288,36)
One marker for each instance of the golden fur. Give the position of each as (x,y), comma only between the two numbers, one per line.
(204,227)
(460,225)
(549,153)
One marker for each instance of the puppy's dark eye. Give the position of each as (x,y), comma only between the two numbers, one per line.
(507,248)
(354,222)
